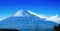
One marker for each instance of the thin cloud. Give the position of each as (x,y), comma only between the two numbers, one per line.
(39,15)
(54,18)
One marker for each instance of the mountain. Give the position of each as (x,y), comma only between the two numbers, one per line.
(25,21)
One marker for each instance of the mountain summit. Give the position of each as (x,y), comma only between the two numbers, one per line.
(21,13)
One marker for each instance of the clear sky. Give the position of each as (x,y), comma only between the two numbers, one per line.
(46,7)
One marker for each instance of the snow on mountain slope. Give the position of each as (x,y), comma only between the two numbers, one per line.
(21,13)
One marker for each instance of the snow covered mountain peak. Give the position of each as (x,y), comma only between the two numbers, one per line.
(21,13)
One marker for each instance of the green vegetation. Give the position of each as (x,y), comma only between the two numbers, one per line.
(8,30)
(56,28)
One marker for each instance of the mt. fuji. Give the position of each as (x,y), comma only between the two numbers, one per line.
(24,20)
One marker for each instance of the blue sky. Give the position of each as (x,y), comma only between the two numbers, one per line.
(46,7)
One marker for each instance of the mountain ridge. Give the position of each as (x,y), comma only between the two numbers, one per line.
(26,22)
